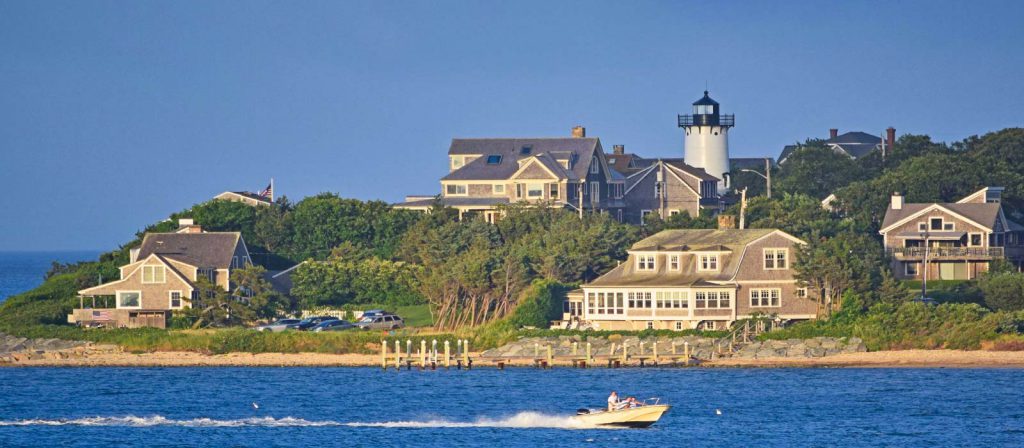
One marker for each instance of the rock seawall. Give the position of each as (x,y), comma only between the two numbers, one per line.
(698,347)
(15,349)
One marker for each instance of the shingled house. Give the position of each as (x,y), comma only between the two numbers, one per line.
(161,277)
(959,239)
(486,173)
(683,279)
(854,144)
(667,187)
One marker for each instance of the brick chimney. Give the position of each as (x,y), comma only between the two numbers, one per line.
(726,221)
(188,225)
(833,133)
(579,132)
(896,203)
(618,149)
(890,138)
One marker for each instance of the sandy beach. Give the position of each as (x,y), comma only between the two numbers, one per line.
(903,358)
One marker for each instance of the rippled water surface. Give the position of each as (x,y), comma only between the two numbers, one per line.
(517,407)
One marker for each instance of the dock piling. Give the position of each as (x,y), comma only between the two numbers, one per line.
(447,356)
(384,355)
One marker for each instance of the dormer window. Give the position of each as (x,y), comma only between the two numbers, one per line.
(457,162)
(525,150)
(673,262)
(707,262)
(494,159)
(776,259)
(645,262)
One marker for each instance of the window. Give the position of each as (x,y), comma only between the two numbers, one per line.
(702,300)
(707,262)
(129,299)
(910,269)
(657,190)
(618,215)
(643,216)
(525,150)
(209,273)
(519,191)
(454,190)
(801,293)
(535,190)
(776,258)
(650,325)
(639,299)
(712,299)
(499,188)
(457,162)
(768,297)
(921,227)
(671,300)
(175,299)
(595,191)
(234,262)
(154,274)
(936,224)
(679,326)
(947,226)
(975,239)
(673,262)
(673,212)
(645,262)
(553,191)
(493,159)
(594,168)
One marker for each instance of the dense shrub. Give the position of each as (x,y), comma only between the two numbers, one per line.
(1003,291)
(540,304)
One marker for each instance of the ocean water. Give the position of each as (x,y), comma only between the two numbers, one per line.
(22,271)
(358,407)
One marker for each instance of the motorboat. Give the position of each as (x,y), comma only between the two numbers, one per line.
(635,415)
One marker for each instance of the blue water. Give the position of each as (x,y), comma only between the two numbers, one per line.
(513,408)
(22,271)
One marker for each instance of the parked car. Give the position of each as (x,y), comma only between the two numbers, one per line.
(926,300)
(385,322)
(310,322)
(333,325)
(278,326)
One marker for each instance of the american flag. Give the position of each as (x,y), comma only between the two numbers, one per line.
(101,315)
(267,192)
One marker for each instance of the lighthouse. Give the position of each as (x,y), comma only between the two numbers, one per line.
(706,144)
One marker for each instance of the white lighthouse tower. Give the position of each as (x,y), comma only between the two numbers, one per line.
(707,138)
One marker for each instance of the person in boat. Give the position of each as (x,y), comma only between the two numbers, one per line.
(613,401)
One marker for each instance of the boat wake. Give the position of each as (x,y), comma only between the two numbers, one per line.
(520,420)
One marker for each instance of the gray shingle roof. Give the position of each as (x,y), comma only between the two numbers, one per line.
(205,250)
(679,164)
(510,149)
(855,137)
(984,214)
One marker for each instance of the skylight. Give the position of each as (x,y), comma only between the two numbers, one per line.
(525,150)
(493,159)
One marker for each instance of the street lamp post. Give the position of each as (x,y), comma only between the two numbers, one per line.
(767,176)
(924,265)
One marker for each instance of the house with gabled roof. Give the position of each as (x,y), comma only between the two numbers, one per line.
(695,278)
(161,276)
(667,187)
(487,173)
(854,144)
(950,241)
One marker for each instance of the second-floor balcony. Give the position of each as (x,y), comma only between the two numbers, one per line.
(950,253)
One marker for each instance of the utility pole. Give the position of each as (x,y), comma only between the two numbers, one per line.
(768,177)
(743,208)
(924,265)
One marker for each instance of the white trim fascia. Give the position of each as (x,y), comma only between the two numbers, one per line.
(529,161)
(646,172)
(672,170)
(967,199)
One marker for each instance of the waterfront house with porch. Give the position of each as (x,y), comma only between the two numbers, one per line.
(162,276)
(950,241)
(695,278)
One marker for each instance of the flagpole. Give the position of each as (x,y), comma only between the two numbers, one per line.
(271,189)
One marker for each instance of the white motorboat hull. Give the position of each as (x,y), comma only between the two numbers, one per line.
(638,417)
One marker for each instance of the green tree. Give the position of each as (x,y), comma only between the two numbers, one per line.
(1003,291)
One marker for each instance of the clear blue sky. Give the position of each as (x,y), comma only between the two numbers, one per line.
(114,114)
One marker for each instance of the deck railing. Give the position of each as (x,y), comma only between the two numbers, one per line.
(947,252)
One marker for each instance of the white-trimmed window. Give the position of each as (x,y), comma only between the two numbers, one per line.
(671,300)
(607,302)
(499,188)
(455,190)
(679,326)
(553,191)
(535,191)
(618,215)
(639,299)
(175,299)
(595,191)
(673,212)
(801,293)
(776,259)
(673,262)
(766,297)
(129,299)
(939,223)
(707,262)
(975,239)
(911,269)
(457,162)
(922,226)
(154,274)
(645,262)
(712,299)
(650,325)
(594,166)
(643,216)
(658,188)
